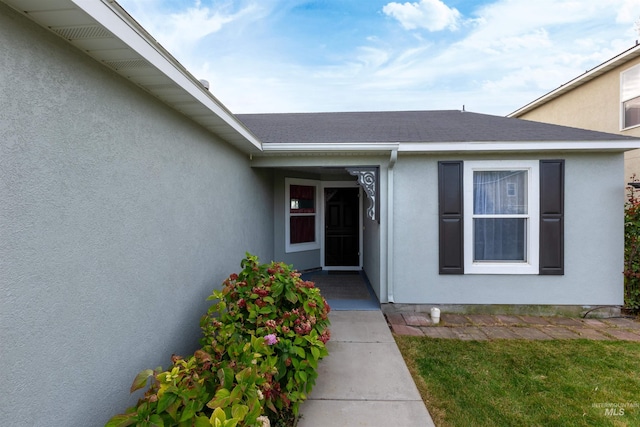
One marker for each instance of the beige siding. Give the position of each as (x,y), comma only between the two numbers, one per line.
(594,105)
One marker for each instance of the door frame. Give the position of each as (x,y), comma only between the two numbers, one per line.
(341,184)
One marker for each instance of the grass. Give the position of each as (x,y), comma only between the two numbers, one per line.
(526,383)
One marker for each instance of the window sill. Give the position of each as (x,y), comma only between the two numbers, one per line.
(488,268)
(630,128)
(302,247)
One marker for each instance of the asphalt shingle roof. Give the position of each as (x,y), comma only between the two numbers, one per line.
(408,126)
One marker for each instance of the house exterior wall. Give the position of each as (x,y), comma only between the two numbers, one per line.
(595,105)
(593,239)
(374,249)
(118,217)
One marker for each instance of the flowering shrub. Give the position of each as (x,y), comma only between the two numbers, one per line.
(263,338)
(632,251)
(200,392)
(271,301)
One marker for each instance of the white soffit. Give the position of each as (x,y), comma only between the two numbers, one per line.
(106,32)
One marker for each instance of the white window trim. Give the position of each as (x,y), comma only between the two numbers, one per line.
(625,99)
(533,224)
(307,246)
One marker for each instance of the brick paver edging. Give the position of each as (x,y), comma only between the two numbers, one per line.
(483,327)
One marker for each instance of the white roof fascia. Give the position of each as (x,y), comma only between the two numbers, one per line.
(448,147)
(524,146)
(589,75)
(355,147)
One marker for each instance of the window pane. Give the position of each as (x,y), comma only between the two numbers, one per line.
(631,83)
(302,229)
(302,198)
(499,239)
(632,113)
(500,192)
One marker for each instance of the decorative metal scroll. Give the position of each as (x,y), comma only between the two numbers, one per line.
(368,180)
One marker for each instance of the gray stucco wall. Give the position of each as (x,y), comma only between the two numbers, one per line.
(371,254)
(593,239)
(117,218)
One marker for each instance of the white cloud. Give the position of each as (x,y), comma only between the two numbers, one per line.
(505,53)
(182,30)
(628,12)
(432,15)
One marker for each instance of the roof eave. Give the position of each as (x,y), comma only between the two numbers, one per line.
(338,147)
(451,147)
(179,89)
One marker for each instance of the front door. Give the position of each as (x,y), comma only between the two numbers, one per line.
(342,232)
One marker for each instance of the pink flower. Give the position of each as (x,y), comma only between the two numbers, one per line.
(270,339)
(325,336)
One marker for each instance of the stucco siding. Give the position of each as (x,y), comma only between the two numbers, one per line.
(371,255)
(118,216)
(593,240)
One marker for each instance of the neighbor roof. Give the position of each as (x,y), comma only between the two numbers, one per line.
(610,64)
(409,127)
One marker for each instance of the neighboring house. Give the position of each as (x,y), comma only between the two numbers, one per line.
(605,98)
(128,192)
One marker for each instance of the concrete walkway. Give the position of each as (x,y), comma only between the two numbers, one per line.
(484,327)
(364,380)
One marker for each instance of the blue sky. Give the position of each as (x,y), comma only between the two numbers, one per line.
(370,55)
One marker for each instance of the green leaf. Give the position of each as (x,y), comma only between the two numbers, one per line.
(315,353)
(239,411)
(303,376)
(121,421)
(277,288)
(189,411)
(243,375)
(236,394)
(218,415)
(295,362)
(141,379)
(155,420)
(202,421)
(254,413)
(291,297)
(165,401)
(313,363)
(226,377)
(221,399)
(266,309)
(299,351)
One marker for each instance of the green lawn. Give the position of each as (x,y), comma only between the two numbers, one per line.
(526,383)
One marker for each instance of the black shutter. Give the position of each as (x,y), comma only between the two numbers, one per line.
(450,211)
(552,217)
